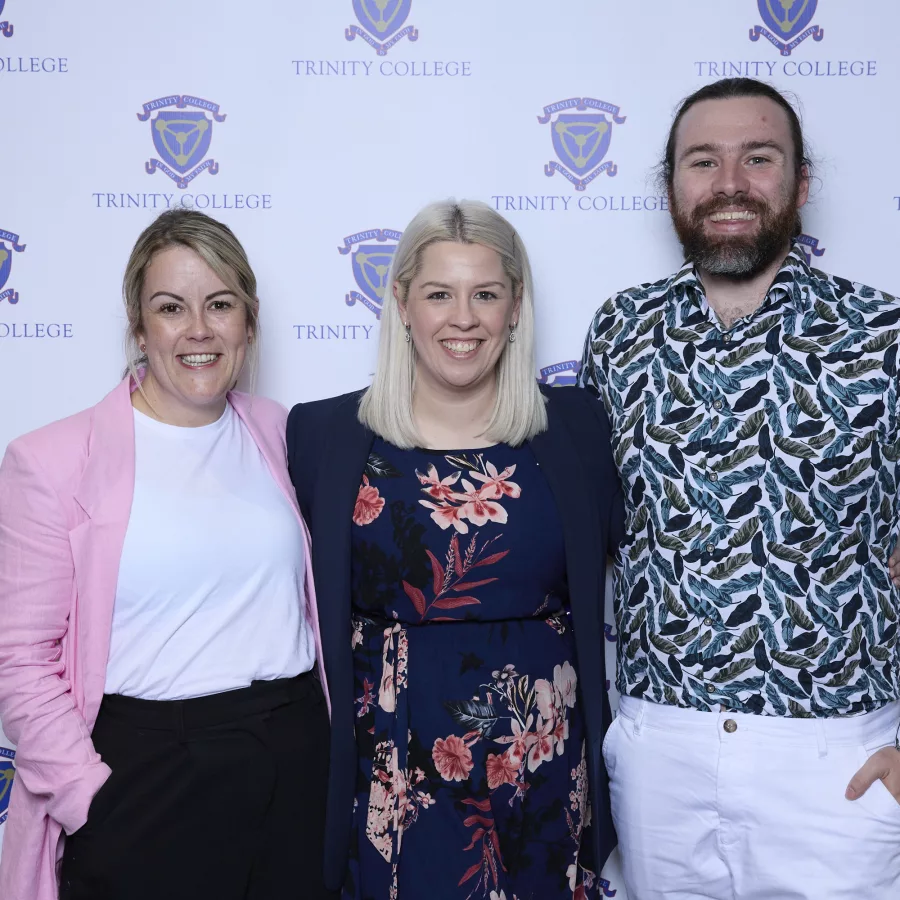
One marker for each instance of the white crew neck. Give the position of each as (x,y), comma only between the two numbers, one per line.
(184,432)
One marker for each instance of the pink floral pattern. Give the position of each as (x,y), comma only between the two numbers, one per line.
(395,801)
(537,717)
(438,488)
(477,505)
(489,737)
(369,504)
(501,769)
(578,817)
(451,581)
(452,758)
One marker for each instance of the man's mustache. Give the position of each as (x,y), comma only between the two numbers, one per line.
(729,204)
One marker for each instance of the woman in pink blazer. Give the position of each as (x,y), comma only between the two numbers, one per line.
(160,643)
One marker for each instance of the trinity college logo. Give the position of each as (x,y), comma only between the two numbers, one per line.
(7,773)
(580,139)
(810,247)
(6,28)
(11,296)
(382,23)
(560,373)
(789,21)
(371,264)
(181,136)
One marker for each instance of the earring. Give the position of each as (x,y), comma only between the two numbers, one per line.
(407,332)
(143,348)
(512,334)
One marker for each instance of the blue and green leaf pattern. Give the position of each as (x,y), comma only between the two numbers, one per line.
(760,470)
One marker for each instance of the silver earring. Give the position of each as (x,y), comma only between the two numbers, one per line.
(407,332)
(512,334)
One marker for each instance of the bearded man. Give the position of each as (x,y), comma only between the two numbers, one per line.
(756,428)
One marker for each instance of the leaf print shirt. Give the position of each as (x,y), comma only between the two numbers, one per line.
(759,465)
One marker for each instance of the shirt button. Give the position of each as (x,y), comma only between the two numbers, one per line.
(707,621)
(730,726)
(710,687)
(713,476)
(726,338)
(718,404)
(710,548)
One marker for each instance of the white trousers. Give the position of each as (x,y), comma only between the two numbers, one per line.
(730,806)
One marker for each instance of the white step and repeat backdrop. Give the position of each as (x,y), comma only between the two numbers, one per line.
(325,126)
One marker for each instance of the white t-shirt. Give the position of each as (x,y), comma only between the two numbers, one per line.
(211,583)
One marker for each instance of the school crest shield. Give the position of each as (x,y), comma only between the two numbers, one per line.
(371,254)
(788,23)
(182,134)
(382,18)
(581,131)
(581,141)
(9,242)
(182,137)
(371,265)
(5,265)
(381,23)
(787,18)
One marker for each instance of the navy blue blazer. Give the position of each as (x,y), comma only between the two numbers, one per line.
(327,452)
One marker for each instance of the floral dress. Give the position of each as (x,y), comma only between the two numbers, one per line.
(472,774)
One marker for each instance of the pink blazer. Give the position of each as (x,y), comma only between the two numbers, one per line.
(65,500)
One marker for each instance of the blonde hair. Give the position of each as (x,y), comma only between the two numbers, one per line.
(215,243)
(519,409)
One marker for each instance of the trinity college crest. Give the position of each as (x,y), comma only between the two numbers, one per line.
(8,243)
(581,134)
(381,23)
(371,264)
(181,136)
(787,23)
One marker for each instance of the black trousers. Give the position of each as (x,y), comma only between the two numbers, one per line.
(219,797)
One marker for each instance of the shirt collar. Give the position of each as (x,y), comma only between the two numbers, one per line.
(794,274)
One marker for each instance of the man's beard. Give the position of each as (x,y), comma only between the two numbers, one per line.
(738,256)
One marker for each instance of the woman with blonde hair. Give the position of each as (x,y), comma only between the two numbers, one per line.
(461,516)
(159,633)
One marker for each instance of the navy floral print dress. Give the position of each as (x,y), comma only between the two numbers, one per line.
(472,775)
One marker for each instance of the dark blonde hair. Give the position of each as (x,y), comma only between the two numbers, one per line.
(215,243)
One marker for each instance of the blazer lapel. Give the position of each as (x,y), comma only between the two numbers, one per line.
(105,493)
(582,534)
(334,497)
(269,440)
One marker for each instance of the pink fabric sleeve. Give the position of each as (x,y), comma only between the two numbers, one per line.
(55,757)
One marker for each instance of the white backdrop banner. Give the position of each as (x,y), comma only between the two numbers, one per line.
(323,127)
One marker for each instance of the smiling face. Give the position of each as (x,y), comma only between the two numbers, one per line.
(735,192)
(459,309)
(196,333)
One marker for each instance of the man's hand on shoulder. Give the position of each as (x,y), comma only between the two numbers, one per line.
(894,565)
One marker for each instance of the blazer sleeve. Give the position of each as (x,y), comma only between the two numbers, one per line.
(55,757)
(301,456)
